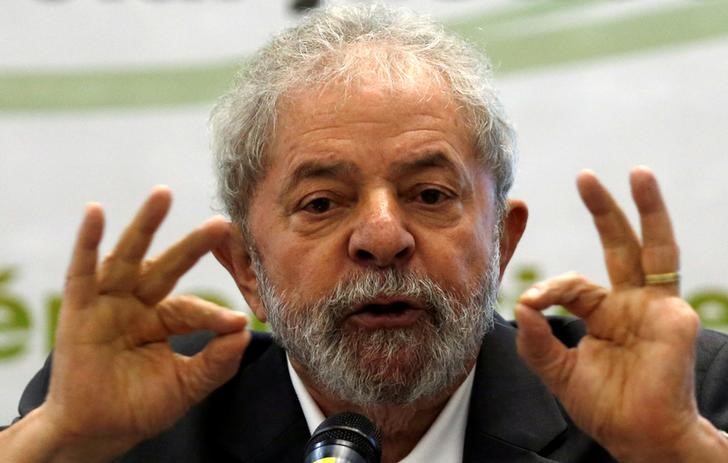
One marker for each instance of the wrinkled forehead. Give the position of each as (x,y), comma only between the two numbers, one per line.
(338,98)
(394,116)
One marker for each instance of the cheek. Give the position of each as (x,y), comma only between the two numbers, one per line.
(305,270)
(471,244)
(297,266)
(463,256)
(476,256)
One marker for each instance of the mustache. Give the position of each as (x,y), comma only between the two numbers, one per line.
(365,286)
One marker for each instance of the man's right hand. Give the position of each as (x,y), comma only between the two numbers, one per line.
(115,381)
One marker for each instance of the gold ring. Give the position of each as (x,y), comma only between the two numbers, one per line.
(662,278)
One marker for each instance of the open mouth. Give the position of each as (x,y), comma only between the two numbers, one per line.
(395,308)
(385,314)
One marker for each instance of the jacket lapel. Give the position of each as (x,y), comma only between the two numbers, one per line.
(512,416)
(259,414)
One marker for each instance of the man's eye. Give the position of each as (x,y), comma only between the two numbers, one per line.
(432,196)
(318,205)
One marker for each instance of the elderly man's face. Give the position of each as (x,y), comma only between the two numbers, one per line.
(374,178)
(383,185)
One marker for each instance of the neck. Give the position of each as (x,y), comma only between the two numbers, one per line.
(400,426)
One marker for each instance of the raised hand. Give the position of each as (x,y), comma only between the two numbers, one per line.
(115,380)
(629,383)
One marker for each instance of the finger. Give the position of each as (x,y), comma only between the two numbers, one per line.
(81,274)
(217,363)
(571,290)
(180,315)
(121,268)
(160,277)
(619,241)
(660,252)
(184,314)
(540,349)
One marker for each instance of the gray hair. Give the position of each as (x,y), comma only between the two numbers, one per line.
(319,51)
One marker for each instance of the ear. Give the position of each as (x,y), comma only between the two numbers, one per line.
(233,254)
(514,223)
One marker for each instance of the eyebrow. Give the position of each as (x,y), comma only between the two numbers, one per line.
(428,160)
(318,170)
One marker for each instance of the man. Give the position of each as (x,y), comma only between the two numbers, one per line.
(365,163)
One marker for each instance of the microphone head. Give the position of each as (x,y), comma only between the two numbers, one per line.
(344,438)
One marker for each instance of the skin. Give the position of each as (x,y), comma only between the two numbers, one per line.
(116,382)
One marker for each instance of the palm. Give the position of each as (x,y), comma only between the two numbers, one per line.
(635,382)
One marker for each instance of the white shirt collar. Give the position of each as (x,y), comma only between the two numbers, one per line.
(442,443)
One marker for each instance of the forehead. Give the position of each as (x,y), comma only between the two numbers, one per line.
(370,114)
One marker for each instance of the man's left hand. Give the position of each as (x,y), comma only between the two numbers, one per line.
(629,383)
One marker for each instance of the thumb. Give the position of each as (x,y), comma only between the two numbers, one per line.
(543,353)
(214,365)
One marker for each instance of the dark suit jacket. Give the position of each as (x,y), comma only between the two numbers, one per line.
(256,417)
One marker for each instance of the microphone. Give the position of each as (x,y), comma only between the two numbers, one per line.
(344,438)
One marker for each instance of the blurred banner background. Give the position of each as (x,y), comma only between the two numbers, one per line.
(102,99)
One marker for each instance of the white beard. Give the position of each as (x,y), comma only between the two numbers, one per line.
(394,366)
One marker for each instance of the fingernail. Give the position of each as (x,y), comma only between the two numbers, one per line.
(533,292)
(214,218)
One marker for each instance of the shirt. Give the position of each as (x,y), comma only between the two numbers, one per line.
(442,443)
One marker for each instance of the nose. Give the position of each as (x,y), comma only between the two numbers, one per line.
(379,237)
